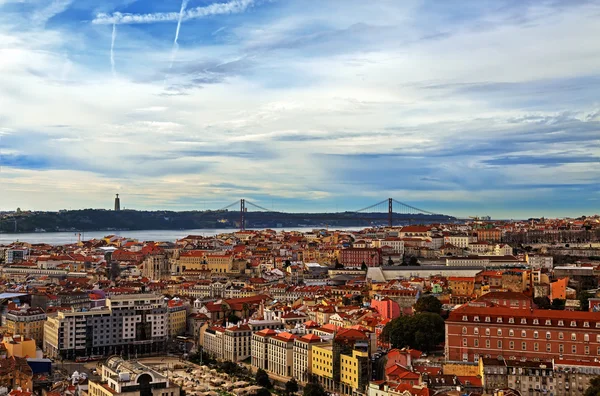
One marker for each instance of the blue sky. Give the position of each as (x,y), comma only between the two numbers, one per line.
(459,107)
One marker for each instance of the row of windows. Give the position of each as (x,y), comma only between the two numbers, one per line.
(548,322)
(511,333)
(511,345)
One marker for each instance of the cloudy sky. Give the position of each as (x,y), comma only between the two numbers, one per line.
(482,107)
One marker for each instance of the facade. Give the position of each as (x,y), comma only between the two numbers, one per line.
(212,342)
(27,322)
(303,356)
(281,354)
(131,323)
(354,257)
(177,314)
(19,346)
(476,330)
(130,378)
(354,372)
(236,340)
(322,365)
(260,348)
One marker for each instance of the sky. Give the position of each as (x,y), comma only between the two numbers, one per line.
(467,108)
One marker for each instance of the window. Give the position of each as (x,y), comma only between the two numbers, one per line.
(574,349)
(535,335)
(573,323)
(587,349)
(499,320)
(476,343)
(523,321)
(561,323)
(548,322)
(511,345)
(464,330)
(524,346)
(523,333)
(465,318)
(476,319)
(487,319)
(561,348)
(476,331)
(535,321)
(586,337)
(561,336)
(487,332)
(511,320)
(487,345)
(464,342)
(586,324)
(499,332)
(573,337)
(499,344)
(511,333)
(547,335)
(536,346)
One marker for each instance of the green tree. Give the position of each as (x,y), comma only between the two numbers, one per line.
(423,331)
(291,387)
(262,392)
(363,266)
(413,262)
(390,262)
(428,303)
(594,387)
(314,389)
(338,265)
(262,379)
(542,302)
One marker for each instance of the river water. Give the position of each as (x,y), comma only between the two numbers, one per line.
(61,238)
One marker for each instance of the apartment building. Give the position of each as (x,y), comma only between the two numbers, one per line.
(131,323)
(260,348)
(281,354)
(27,322)
(212,341)
(354,257)
(477,330)
(322,366)
(237,340)
(177,318)
(303,356)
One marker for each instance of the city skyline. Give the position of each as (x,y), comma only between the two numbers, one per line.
(466,108)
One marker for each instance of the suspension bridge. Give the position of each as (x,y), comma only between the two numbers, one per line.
(389,210)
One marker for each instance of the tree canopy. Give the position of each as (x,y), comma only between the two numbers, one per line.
(428,303)
(314,389)
(262,378)
(423,331)
(594,387)
(291,387)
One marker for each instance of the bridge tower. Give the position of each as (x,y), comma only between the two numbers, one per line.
(390,211)
(242,214)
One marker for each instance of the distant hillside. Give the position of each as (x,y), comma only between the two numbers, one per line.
(100,220)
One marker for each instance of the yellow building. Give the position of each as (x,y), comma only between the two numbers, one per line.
(27,322)
(177,318)
(354,375)
(322,365)
(18,346)
(199,260)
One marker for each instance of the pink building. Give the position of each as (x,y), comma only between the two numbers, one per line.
(386,307)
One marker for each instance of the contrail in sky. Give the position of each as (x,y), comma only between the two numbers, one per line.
(112,49)
(175,44)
